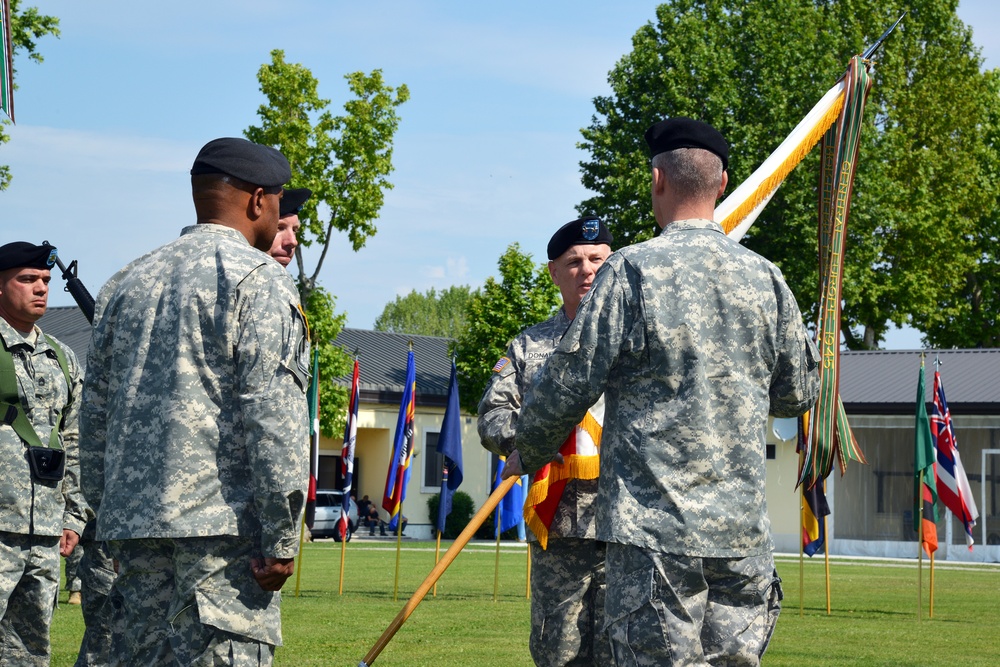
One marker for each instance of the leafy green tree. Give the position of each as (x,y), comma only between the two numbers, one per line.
(345,160)
(524,296)
(753,70)
(970,317)
(26,27)
(432,313)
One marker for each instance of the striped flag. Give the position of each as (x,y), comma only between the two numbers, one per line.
(924,489)
(6,63)
(814,505)
(312,396)
(952,482)
(347,455)
(398,476)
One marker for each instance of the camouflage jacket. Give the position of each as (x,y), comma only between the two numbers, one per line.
(499,408)
(37,507)
(693,339)
(194,419)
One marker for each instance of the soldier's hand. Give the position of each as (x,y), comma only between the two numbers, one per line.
(512,468)
(68,542)
(271,573)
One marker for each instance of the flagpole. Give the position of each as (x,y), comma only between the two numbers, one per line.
(343,553)
(802,558)
(931,614)
(527,581)
(826,557)
(437,558)
(446,560)
(496,564)
(920,561)
(399,543)
(302,538)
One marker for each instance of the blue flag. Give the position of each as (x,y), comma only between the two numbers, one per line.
(510,511)
(450,445)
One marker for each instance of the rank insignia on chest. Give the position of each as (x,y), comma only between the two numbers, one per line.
(500,365)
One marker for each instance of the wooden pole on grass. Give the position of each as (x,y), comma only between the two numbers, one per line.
(437,558)
(343,552)
(527,580)
(438,570)
(399,544)
(298,570)
(496,564)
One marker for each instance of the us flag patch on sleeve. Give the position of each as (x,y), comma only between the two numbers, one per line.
(501,364)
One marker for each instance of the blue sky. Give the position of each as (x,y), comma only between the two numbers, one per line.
(485,155)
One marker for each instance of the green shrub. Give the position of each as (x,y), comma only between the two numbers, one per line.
(462,509)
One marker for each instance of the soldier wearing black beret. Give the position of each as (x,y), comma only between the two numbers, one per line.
(567,574)
(209,337)
(42,513)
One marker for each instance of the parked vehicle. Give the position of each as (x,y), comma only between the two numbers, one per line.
(328,505)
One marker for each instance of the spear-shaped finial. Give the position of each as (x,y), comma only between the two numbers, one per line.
(874,47)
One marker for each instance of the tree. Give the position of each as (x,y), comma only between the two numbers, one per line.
(524,296)
(345,160)
(971,316)
(432,313)
(753,70)
(26,27)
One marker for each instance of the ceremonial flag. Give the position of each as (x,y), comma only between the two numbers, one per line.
(398,476)
(6,63)
(347,455)
(924,488)
(580,454)
(450,446)
(509,510)
(952,482)
(312,396)
(814,509)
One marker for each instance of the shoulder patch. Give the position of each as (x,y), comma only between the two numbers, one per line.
(500,365)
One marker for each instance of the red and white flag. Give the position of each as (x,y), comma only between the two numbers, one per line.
(952,482)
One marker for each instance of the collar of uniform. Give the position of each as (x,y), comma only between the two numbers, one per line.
(13,338)
(692,223)
(211,228)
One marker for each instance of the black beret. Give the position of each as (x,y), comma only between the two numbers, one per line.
(680,132)
(588,230)
(293,200)
(258,165)
(24,255)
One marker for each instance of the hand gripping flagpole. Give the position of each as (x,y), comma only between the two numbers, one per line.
(438,570)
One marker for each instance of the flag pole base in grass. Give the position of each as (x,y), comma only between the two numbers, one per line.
(438,570)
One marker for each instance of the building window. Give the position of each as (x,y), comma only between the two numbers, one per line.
(433,463)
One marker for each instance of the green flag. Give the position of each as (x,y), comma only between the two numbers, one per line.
(924,486)
(6,63)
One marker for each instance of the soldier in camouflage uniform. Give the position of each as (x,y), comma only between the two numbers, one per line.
(567,577)
(39,518)
(194,426)
(693,339)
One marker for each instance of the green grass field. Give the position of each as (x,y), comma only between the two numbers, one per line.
(873,619)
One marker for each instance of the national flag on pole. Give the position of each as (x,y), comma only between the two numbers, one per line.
(398,476)
(347,455)
(924,488)
(6,63)
(508,512)
(952,482)
(450,446)
(581,460)
(312,396)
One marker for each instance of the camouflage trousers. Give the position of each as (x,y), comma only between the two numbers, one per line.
(667,609)
(191,601)
(29,582)
(567,604)
(73,582)
(97,576)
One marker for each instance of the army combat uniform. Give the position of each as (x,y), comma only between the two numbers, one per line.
(567,578)
(192,449)
(33,513)
(693,339)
